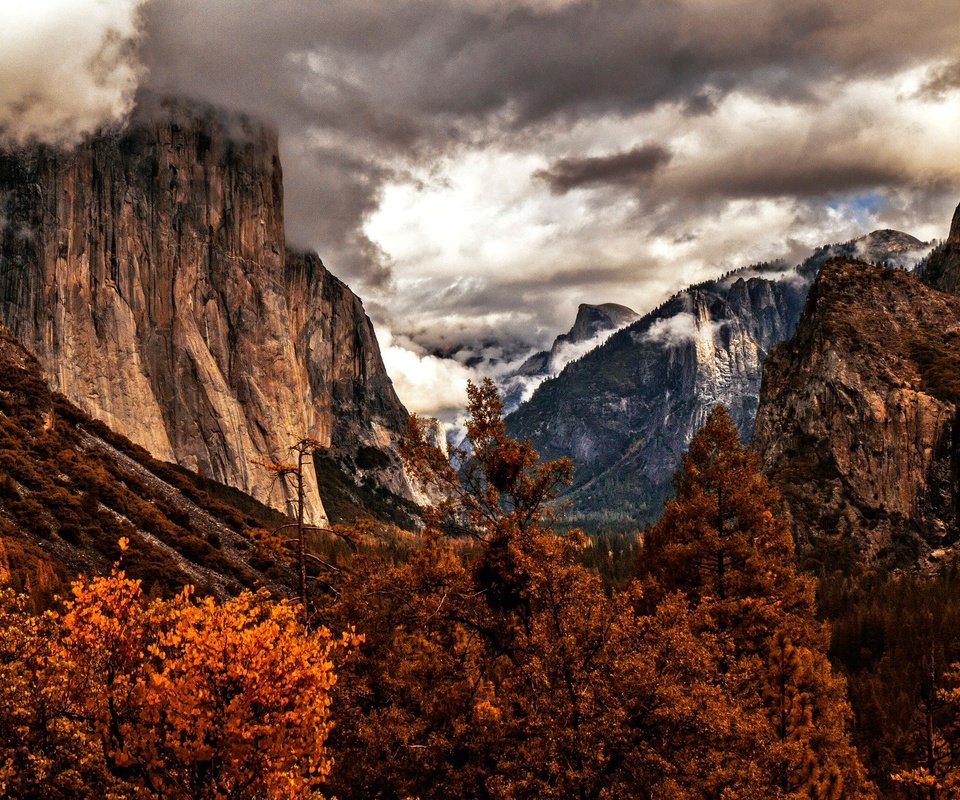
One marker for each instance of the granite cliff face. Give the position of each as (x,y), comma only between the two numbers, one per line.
(942,269)
(147,271)
(589,327)
(591,321)
(70,487)
(858,419)
(626,411)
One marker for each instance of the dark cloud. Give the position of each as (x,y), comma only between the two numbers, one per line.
(627,168)
(700,104)
(801,178)
(941,80)
(375,86)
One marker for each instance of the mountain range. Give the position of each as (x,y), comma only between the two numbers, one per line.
(625,411)
(161,335)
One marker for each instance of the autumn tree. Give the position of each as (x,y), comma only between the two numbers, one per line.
(47,749)
(495,665)
(723,542)
(118,696)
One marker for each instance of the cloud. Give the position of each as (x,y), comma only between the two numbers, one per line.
(67,67)
(941,80)
(629,167)
(425,383)
(367,93)
(701,135)
(679,330)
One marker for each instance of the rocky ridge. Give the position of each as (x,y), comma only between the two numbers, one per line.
(858,419)
(625,411)
(147,271)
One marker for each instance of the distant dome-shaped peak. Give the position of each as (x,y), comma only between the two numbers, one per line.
(891,240)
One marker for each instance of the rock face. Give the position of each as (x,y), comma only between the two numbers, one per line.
(591,323)
(942,269)
(70,487)
(858,419)
(148,273)
(626,411)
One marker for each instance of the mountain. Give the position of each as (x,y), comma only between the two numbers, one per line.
(147,271)
(941,270)
(590,321)
(858,419)
(625,411)
(588,328)
(70,488)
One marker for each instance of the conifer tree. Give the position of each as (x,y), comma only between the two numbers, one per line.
(725,544)
(511,672)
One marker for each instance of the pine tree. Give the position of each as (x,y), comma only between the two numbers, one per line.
(510,671)
(723,542)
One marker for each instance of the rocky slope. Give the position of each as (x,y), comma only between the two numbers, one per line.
(70,488)
(147,271)
(942,269)
(858,419)
(591,323)
(626,411)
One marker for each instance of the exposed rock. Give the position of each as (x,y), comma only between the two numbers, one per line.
(590,321)
(70,488)
(942,269)
(435,433)
(589,326)
(147,271)
(626,411)
(858,418)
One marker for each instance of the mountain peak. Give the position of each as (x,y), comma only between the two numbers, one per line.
(592,319)
(955,227)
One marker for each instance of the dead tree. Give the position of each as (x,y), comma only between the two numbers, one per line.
(283,470)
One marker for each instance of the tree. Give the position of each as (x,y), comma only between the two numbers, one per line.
(496,665)
(723,542)
(118,696)
(305,448)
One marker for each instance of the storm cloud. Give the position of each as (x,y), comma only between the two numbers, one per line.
(475,169)
(621,168)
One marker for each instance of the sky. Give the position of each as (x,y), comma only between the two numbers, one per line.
(475,169)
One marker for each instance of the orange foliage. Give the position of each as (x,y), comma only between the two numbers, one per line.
(723,543)
(181,698)
(516,674)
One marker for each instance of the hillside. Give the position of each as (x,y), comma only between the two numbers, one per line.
(70,488)
(858,419)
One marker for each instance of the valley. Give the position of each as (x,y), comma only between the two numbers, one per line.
(722,498)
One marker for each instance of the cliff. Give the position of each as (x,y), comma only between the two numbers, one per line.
(942,269)
(70,488)
(858,419)
(591,323)
(147,271)
(625,411)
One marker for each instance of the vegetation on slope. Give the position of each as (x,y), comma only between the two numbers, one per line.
(69,488)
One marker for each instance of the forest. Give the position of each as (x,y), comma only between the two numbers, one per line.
(499,654)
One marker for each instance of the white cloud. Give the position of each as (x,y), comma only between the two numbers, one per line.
(425,383)
(66,66)
(681,329)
